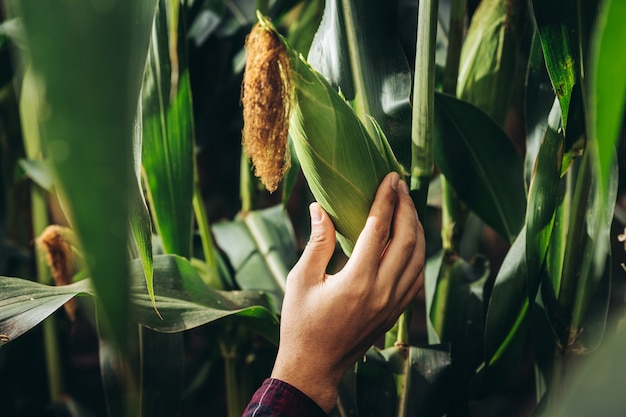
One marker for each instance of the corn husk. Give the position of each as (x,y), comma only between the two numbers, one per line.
(488,59)
(342,163)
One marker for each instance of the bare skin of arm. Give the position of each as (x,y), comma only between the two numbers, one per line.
(329,321)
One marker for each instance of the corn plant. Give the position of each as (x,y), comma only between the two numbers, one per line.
(505,116)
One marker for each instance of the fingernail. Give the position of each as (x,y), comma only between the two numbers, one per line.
(403,187)
(394,181)
(316,213)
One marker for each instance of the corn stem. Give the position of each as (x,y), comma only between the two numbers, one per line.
(423,122)
(453,213)
(424,102)
(204,229)
(49,328)
(245,184)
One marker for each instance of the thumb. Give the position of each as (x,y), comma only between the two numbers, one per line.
(321,245)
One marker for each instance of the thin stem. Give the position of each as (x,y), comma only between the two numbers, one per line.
(455,43)
(208,246)
(233,403)
(402,338)
(49,328)
(453,213)
(245,184)
(576,230)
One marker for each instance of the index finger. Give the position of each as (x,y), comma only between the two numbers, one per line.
(375,234)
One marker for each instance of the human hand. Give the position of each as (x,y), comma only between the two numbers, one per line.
(329,321)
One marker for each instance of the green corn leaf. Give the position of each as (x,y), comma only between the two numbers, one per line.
(607,90)
(564,29)
(260,246)
(88,81)
(185,302)
(168,140)
(400,381)
(456,310)
(592,255)
(375,385)
(357,49)
(140,224)
(479,161)
(538,101)
(545,194)
(24,304)
(556,22)
(507,311)
(489,54)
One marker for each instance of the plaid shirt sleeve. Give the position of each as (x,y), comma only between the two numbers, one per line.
(276,398)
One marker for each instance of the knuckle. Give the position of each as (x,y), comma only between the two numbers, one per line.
(379,230)
(408,242)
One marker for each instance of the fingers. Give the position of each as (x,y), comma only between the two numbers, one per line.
(403,260)
(320,248)
(373,239)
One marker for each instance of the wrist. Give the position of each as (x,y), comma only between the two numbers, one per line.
(318,385)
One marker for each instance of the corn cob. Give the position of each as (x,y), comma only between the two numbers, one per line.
(342,163)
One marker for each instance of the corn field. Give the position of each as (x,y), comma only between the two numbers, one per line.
(157,159)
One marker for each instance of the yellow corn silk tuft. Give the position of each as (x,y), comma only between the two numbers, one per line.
(341,162)
(266,106)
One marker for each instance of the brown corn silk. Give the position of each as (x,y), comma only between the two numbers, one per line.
(60,259)
(266,98)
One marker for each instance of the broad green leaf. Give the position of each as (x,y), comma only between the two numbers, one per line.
(357,49)
(401,381)
(607,86)
(185,302)
(140,224)
(489,54)
(592,281)
(88,80)
(375,386)
(329,53)
(565,29)
(479,161)
(545,194)
(423,379)
(24,304)
(538,101)
(507,312)
(260,246)
(556,22)
(456,311)
(168,140)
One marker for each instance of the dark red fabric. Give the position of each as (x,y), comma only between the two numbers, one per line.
(276,398)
